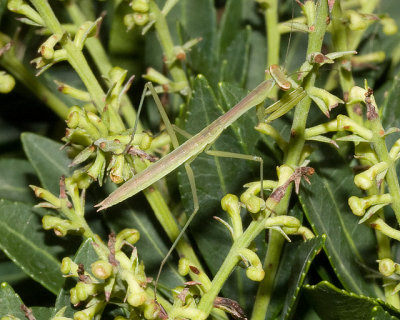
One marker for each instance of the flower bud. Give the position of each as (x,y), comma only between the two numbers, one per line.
(141,6)
(46,195)
(84,290)
(130,236)
(102,269)
(255,274)
(116,172)
(60,226)
(73,296)
(151,310)
(129,21)
(387,267)
(359,205)
(7,82)
(96,170)
(68,266)
(389,26)
(366,179)
(230,204)
(255,204)
(140,18)
(357,21)
(183,266)
(145,143)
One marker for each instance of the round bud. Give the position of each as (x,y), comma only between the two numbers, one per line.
(183,266)
(387,267)
(66,265)
(357,206)
(102,269)
(7,82)
(140,18)
(136,299)
(255,274)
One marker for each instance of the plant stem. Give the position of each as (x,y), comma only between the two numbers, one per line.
(273,38)
(167,44)
(295,149)
(75,56)
(100,58)
(207,300)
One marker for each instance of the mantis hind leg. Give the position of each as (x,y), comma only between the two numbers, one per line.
(226,154)
(192,182)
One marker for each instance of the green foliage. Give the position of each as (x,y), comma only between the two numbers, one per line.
(327,251)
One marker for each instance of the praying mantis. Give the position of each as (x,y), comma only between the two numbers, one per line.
(185,153)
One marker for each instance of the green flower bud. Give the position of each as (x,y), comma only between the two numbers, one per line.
(141,6)
(359,205)
(116,173)
(102,269)
(60,226)
(345,123)
(98,123)
(366,179)
(47,48)
(183,266)
(230,204)
(140,18)
(357,21)
(46,195)
(324,99)
(129,21)
(387,267)
(86,30)
(389,26)
(151,310)
(7,82)
(255,204)
(96,170)
(21,7)
(84,290)
(73,297)
(68,266)
(130,236)
(255,274)
(145,143)
(136,298)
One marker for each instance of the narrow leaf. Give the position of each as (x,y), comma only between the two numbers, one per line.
(23,240)
(326,208)
(332,303)
(48,160)
(16,175)
(304,256)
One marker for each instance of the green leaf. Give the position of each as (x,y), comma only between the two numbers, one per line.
(231,25)
(304,256)
(390,111)
(236,58)
(199,20)
(214,179)
(348,245)
(16,175)
(11,273)
(85,255)
(42,313)
(10,302)
(332,303)
(48,160)
(24,242)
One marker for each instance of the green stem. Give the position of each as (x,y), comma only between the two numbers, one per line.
(295,149)
(75,56)
(100,58)
(19,71)
(207,300)
(167,44)
(380,148)
(273,38)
